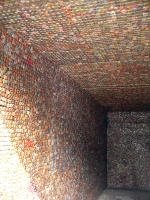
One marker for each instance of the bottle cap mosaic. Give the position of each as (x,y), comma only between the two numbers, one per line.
(101,44)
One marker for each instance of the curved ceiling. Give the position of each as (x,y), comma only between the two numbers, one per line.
(104,45)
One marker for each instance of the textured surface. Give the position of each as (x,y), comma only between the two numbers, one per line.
(129,150)
(102,44)
(109,194)
(52,133)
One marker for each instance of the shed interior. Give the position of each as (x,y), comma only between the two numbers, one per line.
(74,99)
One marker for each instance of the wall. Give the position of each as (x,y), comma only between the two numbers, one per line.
(52,133)
(129,150)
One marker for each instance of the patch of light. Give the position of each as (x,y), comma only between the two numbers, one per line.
(14,181)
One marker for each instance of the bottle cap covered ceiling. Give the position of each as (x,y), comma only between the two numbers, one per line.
(104,45)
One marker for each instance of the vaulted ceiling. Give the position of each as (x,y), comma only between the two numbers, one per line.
(104,45)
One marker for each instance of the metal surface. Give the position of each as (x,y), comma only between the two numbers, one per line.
(103,44)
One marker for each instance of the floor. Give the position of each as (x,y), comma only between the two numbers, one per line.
(114,194)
